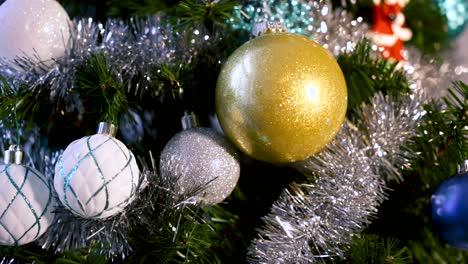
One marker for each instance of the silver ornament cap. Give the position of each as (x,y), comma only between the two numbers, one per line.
(462,168)
(268,28)
(106,128)
(14,155)
(189,121)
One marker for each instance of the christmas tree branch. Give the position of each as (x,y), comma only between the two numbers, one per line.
(127,9)
(441,144)
(373,249)
(210,13)
(176,82)
(443,136)
(187,233)
(99,90)
(27,104)
(367,74)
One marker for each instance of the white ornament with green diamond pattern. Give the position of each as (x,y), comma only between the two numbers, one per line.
(26,201)
(97,176)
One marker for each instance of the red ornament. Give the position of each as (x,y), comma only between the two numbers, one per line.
(388,30)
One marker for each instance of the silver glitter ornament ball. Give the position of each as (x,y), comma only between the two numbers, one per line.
(200,163)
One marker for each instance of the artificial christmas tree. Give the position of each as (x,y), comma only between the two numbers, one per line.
(364,197)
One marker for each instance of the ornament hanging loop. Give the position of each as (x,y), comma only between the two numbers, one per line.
(462,168)
(106,128)
(14,155)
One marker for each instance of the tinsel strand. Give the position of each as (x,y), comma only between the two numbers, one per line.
(135,51)
(315,220)
(310,221)
(387,125)
(296,230)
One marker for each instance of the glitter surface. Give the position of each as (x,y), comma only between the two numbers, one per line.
(201,160)
(279,86)
(38,28)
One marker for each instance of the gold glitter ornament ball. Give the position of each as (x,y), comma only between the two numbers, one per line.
(281,97)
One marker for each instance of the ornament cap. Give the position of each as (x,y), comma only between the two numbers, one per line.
(106,128)
(14,155)
(189,120)
(462,168)
(268,27)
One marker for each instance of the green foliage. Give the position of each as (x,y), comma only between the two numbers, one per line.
(96,85)
(7,104)
(128,8)
(442,144)
(209,13)
(428,24)
(99,89)
(175,81)
(31,253)
(365,75)
(187,235)
(34,106)
(93,255)
(10,99)
(187,12)
(25,254)
(433,251)
(190,234)
(371,249)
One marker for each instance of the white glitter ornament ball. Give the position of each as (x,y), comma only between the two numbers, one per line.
(33,28)
(26,204)
(201,159)
(96,177)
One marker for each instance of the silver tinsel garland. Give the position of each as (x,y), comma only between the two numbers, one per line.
(310,221)
(316,220)
(6,260)
(134,50)
(387,125)
(430,77)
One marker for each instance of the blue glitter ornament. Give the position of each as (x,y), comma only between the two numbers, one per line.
(449,209)
(456,12)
